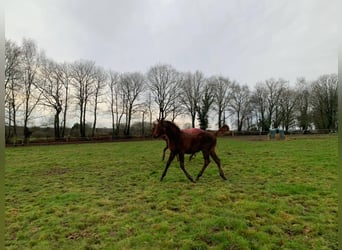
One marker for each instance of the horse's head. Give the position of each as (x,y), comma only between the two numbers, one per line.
(224,128)
(164,128)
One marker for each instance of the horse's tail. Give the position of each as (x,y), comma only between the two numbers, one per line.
(222,130)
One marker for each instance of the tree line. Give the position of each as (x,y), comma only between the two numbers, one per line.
(35,83)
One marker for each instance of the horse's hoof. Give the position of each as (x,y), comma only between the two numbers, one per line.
(192,180)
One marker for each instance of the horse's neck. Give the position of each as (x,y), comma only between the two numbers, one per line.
(173,134)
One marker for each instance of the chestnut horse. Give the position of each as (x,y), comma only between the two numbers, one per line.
(181,143)
(193,131)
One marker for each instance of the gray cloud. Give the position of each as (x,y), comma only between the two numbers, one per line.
(248,41)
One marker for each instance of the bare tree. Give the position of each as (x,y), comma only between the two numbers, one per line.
(259,102)
(63,74)
(303,103)
(146,108)
(132,85)
(30,67)
(175,108)
(222,93)
(149,108)
(52,90)
(324,102)
(114,88)
(83,73)
(12,81)
(288,103)
(240,104)
(274,91)
(99,85)
(163,82)
(266,100)
(191,91)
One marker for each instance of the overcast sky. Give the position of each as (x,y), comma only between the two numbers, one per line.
(247,41)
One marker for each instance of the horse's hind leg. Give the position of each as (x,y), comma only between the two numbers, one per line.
(171,157)
(218,162)
(206,163)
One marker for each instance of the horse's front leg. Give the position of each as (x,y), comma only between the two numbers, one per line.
(166,147)
(171,157)
(181,162)
(165,151)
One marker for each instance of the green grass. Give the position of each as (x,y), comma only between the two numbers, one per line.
(279,195)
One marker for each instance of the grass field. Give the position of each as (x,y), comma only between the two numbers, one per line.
(279,195)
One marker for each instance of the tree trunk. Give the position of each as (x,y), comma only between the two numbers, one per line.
(56,126)
(94,123)
(193,119)
(65,112)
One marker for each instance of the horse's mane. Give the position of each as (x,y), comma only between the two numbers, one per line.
(171,125)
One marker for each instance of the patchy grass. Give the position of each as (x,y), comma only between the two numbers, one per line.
(108,196)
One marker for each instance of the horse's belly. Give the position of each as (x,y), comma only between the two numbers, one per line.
(191,150)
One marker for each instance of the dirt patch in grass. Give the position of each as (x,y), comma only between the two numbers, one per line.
(56,171)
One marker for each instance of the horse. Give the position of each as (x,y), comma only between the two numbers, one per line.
(193,131)
(181,143)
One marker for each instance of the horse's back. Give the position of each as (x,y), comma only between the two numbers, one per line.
(193,143)
(193,131)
